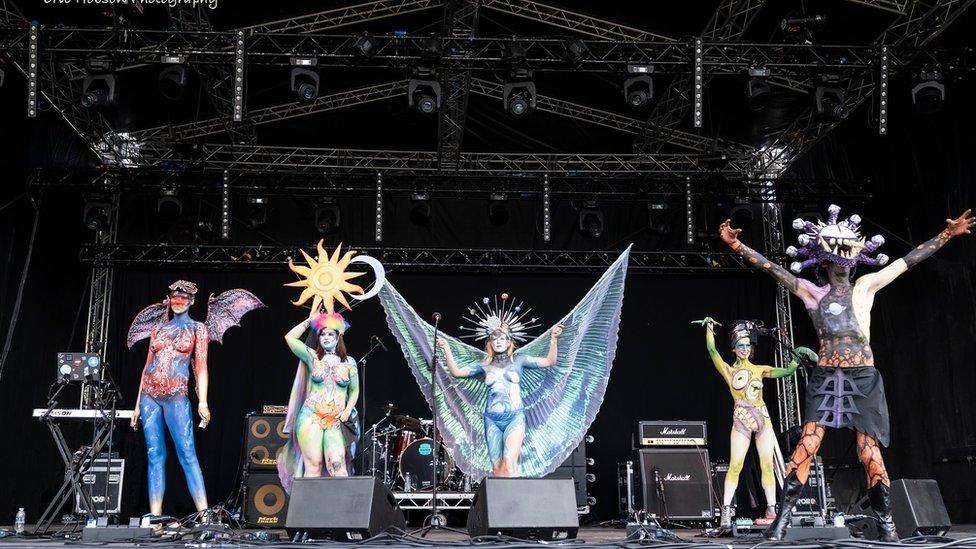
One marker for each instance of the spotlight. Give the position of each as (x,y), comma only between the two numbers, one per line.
(591,220)
(519,98)
(575,50)
(98,91)
(657,218)
(327,218)
(929,93)
(639,90)
(172,81)
(420,212)
(98,215)
(498,209)
(829,99)
(304,84)
(169,203)
(742,216)
(424,95)
(257,211)
(365,45)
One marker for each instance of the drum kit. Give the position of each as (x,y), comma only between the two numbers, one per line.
(399,450)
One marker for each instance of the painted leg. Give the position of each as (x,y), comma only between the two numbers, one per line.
(494,439)
(310,443)
(739,446)
(514,435)
(151,415)
(179,420)
(869,452)
(797,471)
(334,449)
(766,446)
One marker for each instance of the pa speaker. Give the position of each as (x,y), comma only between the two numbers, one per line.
(265,437)
(918,509)
(341,509)
(526,508)
(267,502)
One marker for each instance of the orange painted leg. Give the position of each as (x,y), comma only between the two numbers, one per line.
(869,453)
(805,451)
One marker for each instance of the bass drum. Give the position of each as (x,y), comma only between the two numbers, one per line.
(417,461)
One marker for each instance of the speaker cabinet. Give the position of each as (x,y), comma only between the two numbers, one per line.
(265,437)
(341,509)
(526,508)
(918,509)
(677,483)
(267,502)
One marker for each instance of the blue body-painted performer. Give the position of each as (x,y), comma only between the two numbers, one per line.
(162,403)
(509,411)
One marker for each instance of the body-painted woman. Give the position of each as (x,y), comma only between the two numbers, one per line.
(749,415)
(845,390)
(162,404)
(328,407)
(504,414)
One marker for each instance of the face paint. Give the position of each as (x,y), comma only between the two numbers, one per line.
(500,341)
(743,348)
(180,302)
(328,339)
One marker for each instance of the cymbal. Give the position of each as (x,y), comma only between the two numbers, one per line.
(389,408)
(407,422)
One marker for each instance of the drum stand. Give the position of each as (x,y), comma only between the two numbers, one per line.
(435,521)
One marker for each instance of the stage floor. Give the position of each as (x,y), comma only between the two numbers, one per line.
(588,535)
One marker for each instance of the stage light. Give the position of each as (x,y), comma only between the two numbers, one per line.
(327,217)
(365,45)
(169,203)
(883,92)
(689,214)
(519,98)
(828,99)
(929,93)
(304,84)
(257,211)
(498,209)
(424,95)
(575,50)
(239,78)
(98,91)
(657,218)
(379,206)
(699,86)
(98,215)
(225,205)
(742,216)
(639,90)
(546,231)
(420,211)
(757,88)
(591,220)
(32,68)
(172,81)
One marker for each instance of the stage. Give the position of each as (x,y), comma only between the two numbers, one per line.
(602,536)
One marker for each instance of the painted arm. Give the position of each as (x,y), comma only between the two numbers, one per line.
(720,365)
(954,227)
(550,359)
(456,371)
(731,237)
(201,372)
(134,422)
(800,354)
(294,340)
(353,395)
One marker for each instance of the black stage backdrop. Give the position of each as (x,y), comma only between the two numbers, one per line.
(924,329)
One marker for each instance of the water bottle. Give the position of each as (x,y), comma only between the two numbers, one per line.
(839,520)
(407,487)
(20,522)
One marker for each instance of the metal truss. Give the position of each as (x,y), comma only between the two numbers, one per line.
(267,115)
(572,21)
(414,501)
(250,158)
(257,257)
(344,16)
(100,299)
(895,6)
(460,21)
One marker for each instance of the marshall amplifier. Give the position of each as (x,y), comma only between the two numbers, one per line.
(106,496)
(265,436)
(672,433)
(676,483)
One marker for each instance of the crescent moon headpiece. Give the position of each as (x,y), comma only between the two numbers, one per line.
(490,316)
(325,281)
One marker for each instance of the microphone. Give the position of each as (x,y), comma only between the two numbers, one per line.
(380,343)
(436,317)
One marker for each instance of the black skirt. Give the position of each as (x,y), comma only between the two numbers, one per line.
(852,398)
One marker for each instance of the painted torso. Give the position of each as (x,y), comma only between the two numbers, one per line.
(329,379)
(745,381)
(503,377)
(841,315)
(172,344)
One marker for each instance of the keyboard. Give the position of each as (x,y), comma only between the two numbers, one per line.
(76,414)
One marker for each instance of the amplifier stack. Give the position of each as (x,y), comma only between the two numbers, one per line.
(266,501)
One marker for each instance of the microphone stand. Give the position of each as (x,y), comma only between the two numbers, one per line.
(362,388)
(435,517)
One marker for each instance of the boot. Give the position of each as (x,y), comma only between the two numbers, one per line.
(881,504)
(726,518)
(791,493)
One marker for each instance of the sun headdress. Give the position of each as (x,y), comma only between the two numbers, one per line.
(325,280)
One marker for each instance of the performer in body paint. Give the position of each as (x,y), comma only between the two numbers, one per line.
(749,415)
(174,343)
(845,390)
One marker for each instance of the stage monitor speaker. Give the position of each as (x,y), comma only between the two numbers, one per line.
(526,508)
(267,502)
(341,509)
(677,483)
(578,476)
(265,436)
(918,509)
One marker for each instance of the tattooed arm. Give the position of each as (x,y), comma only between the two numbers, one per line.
(795,285)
